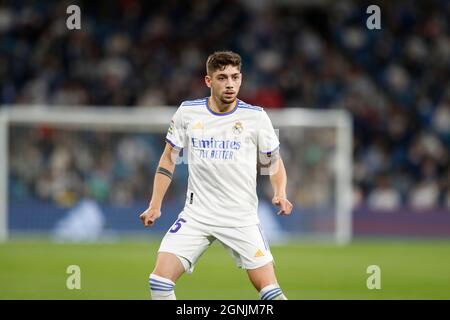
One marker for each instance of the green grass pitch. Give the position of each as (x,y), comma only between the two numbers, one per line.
(36,269)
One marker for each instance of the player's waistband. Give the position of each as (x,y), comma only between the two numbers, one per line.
(250,219)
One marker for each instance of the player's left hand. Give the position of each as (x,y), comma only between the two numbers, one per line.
(283,204)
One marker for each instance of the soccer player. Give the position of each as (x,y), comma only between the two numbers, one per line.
(223,139)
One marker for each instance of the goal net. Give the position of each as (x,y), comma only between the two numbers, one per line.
(75,173)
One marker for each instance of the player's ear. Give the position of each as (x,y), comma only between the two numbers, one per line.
(208,81)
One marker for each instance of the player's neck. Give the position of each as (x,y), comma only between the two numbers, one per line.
(220,107)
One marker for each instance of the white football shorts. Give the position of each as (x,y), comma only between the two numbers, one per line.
(188,239)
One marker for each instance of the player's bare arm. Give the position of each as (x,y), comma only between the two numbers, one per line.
(162,180)
(278,179)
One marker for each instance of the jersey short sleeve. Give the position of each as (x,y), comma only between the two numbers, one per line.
(176,133)
(268,142)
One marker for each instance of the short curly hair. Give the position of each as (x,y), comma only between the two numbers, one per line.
(220,59)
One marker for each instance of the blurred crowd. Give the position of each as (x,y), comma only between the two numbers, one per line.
(394,82)
(64,166)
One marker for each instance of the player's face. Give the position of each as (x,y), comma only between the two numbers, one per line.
(225,84)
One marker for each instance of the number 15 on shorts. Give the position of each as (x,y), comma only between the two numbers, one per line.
(177,225)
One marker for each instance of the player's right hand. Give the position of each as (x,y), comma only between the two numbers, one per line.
(149,216)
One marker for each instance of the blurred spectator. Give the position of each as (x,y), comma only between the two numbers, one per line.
(424,195)
(384,196)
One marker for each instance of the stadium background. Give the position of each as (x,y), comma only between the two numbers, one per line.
(296,54)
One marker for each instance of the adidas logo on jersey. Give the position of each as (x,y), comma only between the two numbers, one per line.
(198,125)
(259,253)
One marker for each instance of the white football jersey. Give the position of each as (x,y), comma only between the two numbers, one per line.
(221,150)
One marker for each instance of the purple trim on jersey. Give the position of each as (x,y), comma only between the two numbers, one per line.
(254,109)
(192,103)
(270,152)
(262,236)
(221,113)
(243,105)
(173,144)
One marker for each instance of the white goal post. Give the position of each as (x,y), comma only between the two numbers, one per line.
(156,120)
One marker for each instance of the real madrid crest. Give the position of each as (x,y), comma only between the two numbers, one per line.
(238,128)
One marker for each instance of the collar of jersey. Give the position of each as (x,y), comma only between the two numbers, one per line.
(221,113)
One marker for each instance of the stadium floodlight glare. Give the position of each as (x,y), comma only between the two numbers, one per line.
(157,119)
